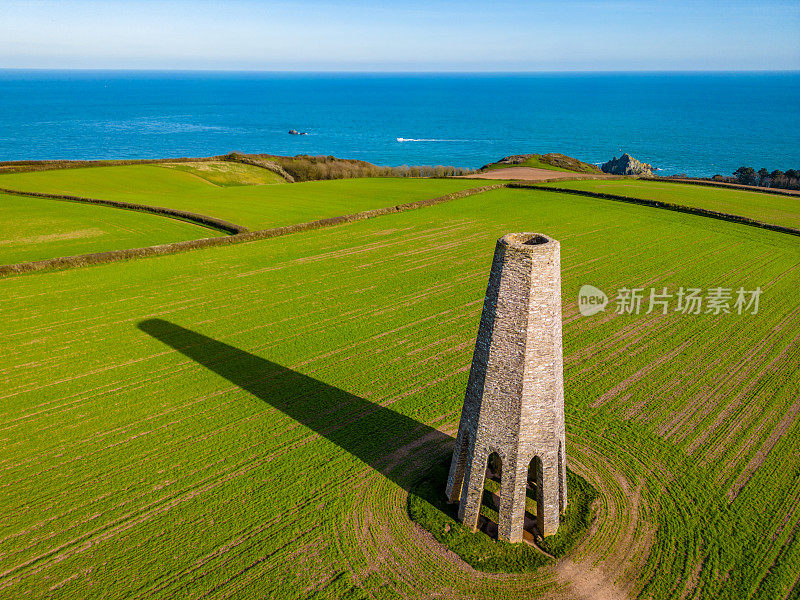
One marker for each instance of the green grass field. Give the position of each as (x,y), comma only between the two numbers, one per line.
(245,421)
(254,206)
(769,208)
(40,228)
(226,174)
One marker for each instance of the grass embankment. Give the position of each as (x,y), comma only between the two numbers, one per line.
(551,162)
(227,174)
(40,228)
(427,506)
(253,206)
(768,208)
(247,419)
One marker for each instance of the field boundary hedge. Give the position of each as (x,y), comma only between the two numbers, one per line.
(730,186)
(81,260)
(196,218)
(703,212)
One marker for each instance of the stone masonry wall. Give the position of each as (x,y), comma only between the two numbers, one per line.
(514,403)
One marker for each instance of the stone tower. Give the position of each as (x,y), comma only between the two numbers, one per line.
(514,405)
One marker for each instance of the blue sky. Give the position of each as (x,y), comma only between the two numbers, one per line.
(358,35)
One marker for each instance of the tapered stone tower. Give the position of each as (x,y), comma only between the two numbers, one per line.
(514,405)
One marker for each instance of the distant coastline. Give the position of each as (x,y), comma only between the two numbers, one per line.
(700,124)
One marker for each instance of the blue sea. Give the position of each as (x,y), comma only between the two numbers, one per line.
(694,123)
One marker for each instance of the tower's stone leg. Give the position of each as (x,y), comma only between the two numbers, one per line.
(457,467)
(514,403)
(550,497)
(472,490)
(512,503)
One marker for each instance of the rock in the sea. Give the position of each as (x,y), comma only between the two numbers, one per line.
(627,165)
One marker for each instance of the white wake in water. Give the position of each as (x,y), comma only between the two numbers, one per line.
(428,140)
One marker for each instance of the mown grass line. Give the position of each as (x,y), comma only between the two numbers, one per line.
(703,212)
(68,262)
(183,215)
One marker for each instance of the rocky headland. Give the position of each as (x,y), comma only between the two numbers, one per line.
(627,165)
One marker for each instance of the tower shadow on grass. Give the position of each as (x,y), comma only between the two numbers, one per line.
(374,434)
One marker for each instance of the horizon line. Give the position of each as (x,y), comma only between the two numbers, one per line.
(397,71)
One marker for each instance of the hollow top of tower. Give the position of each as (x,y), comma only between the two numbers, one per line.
(528,242)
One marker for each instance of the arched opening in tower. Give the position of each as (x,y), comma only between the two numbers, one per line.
(490,502)
(534,501)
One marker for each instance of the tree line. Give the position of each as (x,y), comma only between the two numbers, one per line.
(312,168)
(787,180)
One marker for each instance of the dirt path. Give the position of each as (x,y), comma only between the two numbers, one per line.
(585,583)
(533,174)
